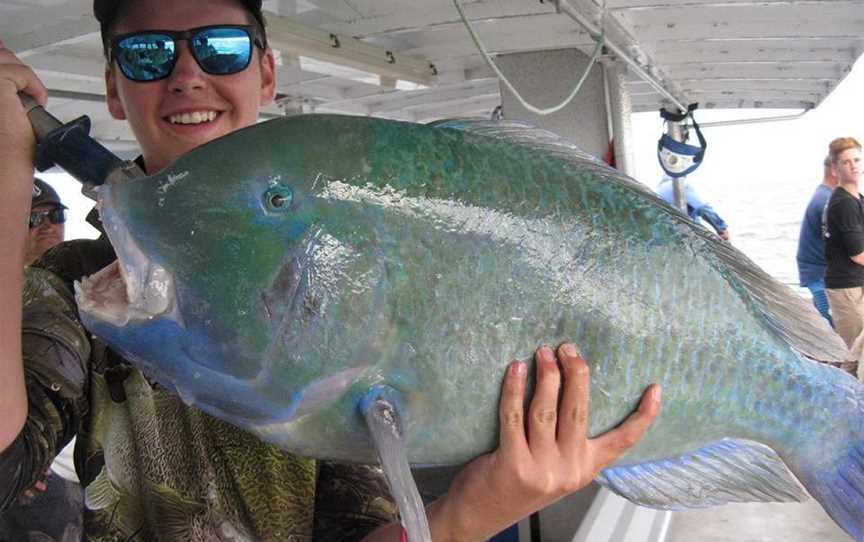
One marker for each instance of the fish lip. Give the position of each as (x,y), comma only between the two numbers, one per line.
(110,296)
(133,287)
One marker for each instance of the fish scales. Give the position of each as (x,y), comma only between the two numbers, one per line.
(425,258)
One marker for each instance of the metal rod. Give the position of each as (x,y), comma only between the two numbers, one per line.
(757,120)
(595,33)
(679,184)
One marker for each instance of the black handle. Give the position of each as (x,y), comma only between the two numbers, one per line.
(70,146)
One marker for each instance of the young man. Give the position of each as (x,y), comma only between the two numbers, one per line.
(811,242)
(844,242)
(156,469)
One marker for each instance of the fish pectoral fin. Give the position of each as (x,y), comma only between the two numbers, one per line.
(325,391)
(726,471)
(101,492)
(104,495)
(176,513)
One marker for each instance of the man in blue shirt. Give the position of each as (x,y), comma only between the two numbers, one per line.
(811,242)
(696,208)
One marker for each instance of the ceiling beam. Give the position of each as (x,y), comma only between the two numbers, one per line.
(35,30)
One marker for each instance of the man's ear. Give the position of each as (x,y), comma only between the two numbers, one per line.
(268,77)
(115,106)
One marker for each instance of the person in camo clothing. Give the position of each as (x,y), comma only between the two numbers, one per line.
(156,469)
(52,508)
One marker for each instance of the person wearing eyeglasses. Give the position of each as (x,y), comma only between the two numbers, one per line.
(47,224)
(183,73)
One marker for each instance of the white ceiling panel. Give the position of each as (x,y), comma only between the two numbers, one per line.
(768,53)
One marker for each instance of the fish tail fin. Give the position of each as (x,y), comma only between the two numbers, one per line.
(837,482)
(832,470)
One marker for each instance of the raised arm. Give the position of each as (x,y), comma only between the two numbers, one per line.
(16,179)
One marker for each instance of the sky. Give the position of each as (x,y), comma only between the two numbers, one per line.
(772,151)
(759,177)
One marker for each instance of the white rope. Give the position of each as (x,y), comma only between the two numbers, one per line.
(537,111)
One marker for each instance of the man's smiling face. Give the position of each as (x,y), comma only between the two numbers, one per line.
(190,107)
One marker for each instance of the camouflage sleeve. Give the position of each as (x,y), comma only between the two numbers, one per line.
(55,351)
(351,501)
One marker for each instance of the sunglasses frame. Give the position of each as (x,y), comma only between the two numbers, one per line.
(47,214)
(184,35)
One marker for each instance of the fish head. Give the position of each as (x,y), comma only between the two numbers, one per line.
(231,276)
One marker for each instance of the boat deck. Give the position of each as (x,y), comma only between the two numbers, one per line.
(759,522)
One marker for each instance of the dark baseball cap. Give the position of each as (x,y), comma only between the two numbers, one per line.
(106,11)
(44,193)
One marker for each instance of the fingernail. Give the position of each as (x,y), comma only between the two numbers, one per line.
(570,350)
(656,393)
(517,368)
(547,356)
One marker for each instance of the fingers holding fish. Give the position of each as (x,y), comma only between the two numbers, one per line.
(543,412)
(608,447)
(510,409)
(573,416)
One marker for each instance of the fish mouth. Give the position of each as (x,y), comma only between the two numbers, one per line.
(133,287)
(111,296)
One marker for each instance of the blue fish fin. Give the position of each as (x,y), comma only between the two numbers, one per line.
(790,316)
(838,484)
(725,471)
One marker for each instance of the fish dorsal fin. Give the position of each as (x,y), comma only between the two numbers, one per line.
(726,471)
(518,132)
(788,314)
(101,493)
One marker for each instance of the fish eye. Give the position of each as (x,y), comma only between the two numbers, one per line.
(278,198)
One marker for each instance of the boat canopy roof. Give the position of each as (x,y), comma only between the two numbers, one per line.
(415,60)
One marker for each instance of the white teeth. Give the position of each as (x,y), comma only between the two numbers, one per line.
(196,117)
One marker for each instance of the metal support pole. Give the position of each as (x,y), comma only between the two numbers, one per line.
(758,120)
(679,184)
(620,108)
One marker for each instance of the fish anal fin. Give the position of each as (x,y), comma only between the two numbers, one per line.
(726,471)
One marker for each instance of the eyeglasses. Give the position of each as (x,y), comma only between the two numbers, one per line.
(56,215)
(151,55)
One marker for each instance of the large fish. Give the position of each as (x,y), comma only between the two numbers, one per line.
(277,275)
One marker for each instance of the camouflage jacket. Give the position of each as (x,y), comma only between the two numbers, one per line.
(153,467)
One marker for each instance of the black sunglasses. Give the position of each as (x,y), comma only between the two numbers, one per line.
(57,215)
(150,55)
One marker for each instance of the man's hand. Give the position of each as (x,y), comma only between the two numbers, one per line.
(16,135)
(539,462)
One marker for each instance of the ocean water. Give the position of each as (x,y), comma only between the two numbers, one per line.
(759,178)
(764,221)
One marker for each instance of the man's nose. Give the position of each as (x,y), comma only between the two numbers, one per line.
(187,74)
